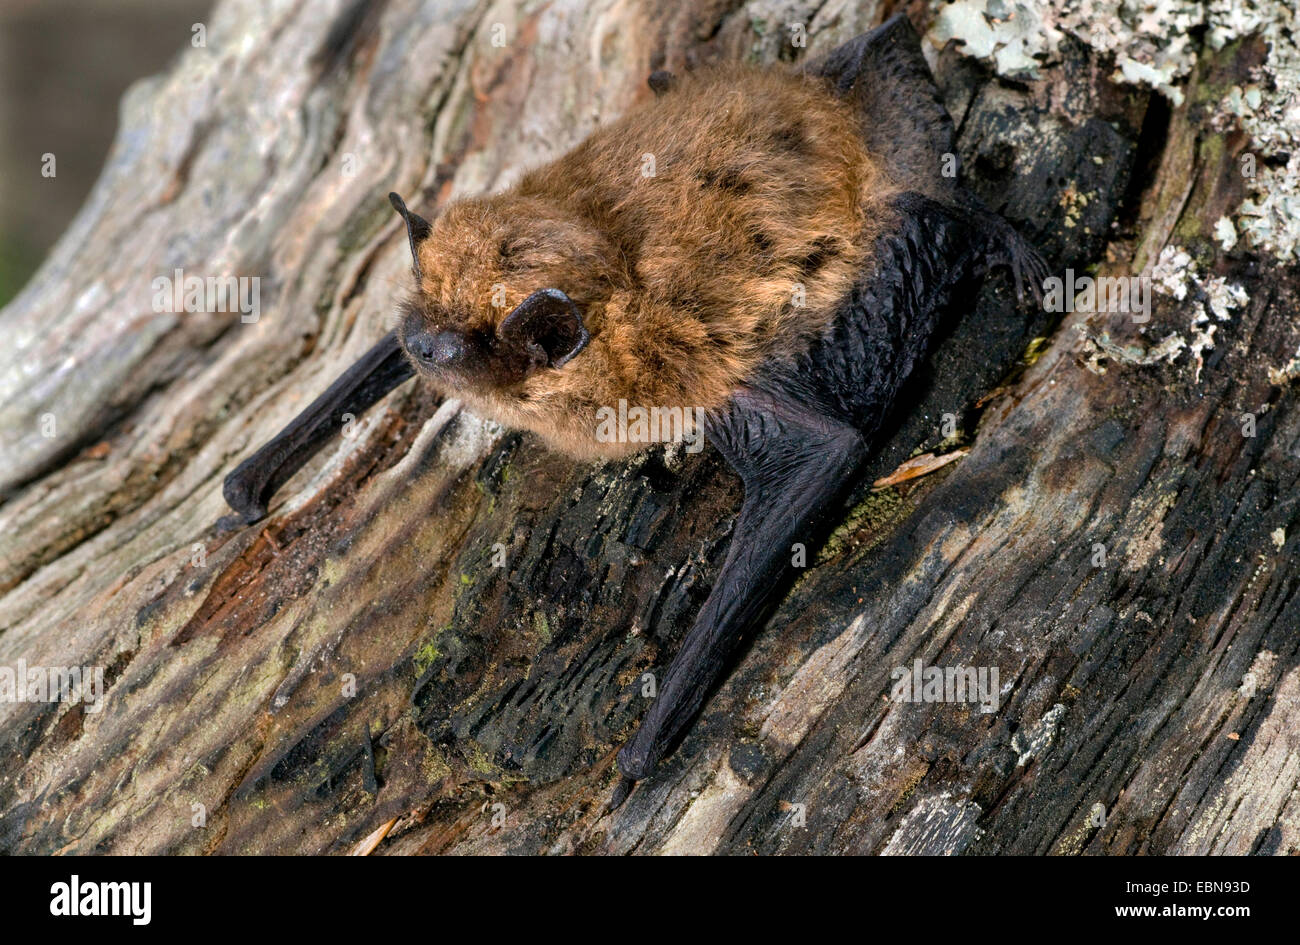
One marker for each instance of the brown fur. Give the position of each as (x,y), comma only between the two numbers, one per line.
(685,279)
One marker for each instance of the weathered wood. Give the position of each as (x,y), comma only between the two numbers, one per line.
(356,671)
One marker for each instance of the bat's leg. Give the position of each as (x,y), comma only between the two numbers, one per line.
(249,488)
(794,464)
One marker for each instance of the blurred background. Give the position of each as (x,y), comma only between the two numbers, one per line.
(64,65)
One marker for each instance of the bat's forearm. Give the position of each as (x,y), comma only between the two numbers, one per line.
(249,488)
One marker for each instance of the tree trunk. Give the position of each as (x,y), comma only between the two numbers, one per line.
(436,640)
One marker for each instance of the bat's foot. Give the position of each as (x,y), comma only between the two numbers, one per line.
(621,792)
(634,764)
(1030,271)
(634,759)
(1008,248)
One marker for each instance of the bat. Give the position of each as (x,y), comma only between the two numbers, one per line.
(769,250)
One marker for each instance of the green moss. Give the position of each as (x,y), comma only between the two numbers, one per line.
(1211,152)
(542,626)
(424,657)
(478,759)
(1034,351)
(434,767)
(874,512)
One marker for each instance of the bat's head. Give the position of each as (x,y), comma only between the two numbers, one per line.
(506,290)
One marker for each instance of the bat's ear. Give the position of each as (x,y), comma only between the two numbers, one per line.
(417,230)
(546,327)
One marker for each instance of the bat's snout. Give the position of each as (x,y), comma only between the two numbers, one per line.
(441,350)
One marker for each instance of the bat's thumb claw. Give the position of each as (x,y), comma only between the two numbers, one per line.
(621,793)
(241,494)
(633,764)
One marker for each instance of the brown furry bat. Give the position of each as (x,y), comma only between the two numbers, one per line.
(739,240)
(773,248)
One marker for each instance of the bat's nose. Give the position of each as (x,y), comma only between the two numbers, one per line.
(443,349)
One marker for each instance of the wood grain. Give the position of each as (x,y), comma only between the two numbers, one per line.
(359,658)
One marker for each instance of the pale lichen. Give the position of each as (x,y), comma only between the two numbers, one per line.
(1152,43)
(1034,740)
(1268,109)
(1174,274)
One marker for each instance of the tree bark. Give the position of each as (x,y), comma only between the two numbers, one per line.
(436,640)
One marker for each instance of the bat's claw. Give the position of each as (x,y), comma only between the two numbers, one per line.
(241,493)
(1010,249)
(1030,271)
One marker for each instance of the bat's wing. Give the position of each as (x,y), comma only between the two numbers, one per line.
(904,120)
(249,488)
(794,464)
(799,433)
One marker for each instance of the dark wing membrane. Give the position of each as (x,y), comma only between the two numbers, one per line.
(795,464)
(904,120)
